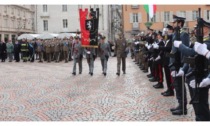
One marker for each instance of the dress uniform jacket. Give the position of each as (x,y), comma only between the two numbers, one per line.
(104,50)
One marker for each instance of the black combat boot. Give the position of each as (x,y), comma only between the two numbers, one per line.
(180,111)
(158,85)
(169,93)
(176,108)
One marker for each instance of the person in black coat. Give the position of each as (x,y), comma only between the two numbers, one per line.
(3,51)
(17,51)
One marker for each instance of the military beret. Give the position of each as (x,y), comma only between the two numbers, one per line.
(176,18)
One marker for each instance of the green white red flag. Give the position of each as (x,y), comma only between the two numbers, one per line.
(150,9)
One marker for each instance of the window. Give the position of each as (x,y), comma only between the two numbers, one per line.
(96,6)
(6,23)
(194,15)
(18,24)
(183,14)
(135,17)
(44,8)
(45,23)
(166,16)
(18,12)
(153,19)
(24,13)
(12,11)
(5,9)
(65,23)
(13,24)
(208,12)
(64,8)
(134,6)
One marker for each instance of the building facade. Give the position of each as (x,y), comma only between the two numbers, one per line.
(16,20)
(65,18)
(135,16)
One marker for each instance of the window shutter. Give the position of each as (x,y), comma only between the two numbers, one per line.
(157,17)
(140,17)
(188,15)
(162,16)
(171,16)
(178,13)
(131,18)
(205,15)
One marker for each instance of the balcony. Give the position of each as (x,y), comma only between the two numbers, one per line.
(45,15)
(135,26)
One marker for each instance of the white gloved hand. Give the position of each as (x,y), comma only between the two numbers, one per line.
(151,59)
(146,44)
(196,44)
(136,42)
(173,73)
(177,43)
(180,73)
(205,82)
(201,48)
(150,46)
(156,46)
(157,58)
(192,83)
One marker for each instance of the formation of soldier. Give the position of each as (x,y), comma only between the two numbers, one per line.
(66,49)
(175,51)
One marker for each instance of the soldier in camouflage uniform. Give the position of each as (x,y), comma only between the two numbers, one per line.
(120,50)
(65,49)
(40,50)
(57,51)
(48,50)
(52,49)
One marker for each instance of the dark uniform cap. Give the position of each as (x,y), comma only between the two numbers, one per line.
(206,24)
(176,18)
(169,27)
(160,33)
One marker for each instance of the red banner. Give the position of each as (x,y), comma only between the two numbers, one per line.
(85,34)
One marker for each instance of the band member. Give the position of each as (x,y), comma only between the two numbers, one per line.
(104,53)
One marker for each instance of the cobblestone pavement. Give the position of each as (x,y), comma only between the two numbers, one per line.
(49,92)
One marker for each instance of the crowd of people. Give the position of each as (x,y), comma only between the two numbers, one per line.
(174,54)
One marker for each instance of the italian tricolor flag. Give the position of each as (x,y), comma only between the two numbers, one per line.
(150,9)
